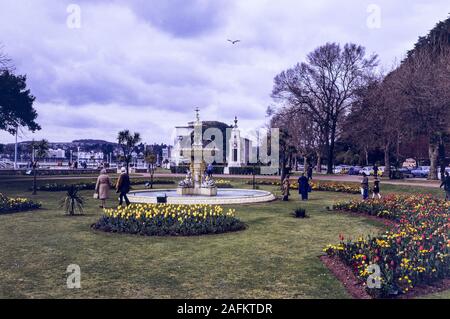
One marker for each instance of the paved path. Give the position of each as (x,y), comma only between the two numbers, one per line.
(338,178)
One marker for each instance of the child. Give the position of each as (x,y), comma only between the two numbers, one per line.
(286,189)
(376,188)
(365,187)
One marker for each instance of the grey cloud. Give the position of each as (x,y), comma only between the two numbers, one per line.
(148,57)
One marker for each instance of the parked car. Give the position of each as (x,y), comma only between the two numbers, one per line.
(354,170)
(421,171)
(341,169)
(406,172)
(366,170)
(337,169)
(381,170)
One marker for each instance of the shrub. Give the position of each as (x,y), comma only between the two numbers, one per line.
(415,252)
(220,183)
(182,169)
(350,188)
(12,205)
(55,187)
(300,213)
(72,201)
(169,220)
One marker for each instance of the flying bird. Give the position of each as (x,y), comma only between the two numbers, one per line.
(234,41)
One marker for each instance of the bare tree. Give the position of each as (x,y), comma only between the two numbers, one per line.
(304,134)
(324,87)
(424,81)
(5,61)
(375,121)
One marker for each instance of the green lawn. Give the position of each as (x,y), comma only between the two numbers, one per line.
(276,257)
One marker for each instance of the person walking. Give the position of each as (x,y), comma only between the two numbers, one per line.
(209,170)
(123,186)
(375,170)
(303,187)
(446,184)
(365,187)
(286,188)
(102,187)
(310,172)
(376,188)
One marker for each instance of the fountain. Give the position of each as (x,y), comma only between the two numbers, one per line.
(197,187)
(196,182)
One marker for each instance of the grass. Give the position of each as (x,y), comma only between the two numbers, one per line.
(276,257)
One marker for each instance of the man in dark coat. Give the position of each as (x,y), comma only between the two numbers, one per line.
(303,187)
(375,170)
(123,187)
(446,184)
(310,172)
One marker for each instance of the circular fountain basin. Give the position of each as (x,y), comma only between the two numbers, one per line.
(224,197)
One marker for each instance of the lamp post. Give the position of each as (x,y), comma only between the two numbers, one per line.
(15,148)
(78,156)
(254,176)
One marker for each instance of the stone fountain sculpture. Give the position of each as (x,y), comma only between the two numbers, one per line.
(196,183)
(187,182)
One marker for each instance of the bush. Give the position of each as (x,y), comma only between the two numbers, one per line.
(182,169)
(220,183)
(72,202)
(55,187)
(169,220)
(300,213)
(219,170)
(13,205)
(350,188)
(413,253)
(245,170)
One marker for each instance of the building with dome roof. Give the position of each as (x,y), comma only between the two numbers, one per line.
(223,144)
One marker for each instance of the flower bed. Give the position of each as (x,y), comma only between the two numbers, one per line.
(56,187)
(169,220)
(13,205)
(350,188)
(221,183)
(413,253)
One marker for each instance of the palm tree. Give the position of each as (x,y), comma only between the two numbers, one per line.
(128,142)
(39,150)
(72,201)
(151,159)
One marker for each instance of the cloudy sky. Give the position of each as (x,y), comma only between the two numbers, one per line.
(145,65)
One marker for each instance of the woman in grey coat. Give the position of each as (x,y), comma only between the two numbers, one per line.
(102,187)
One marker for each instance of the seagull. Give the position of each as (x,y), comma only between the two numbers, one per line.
(234,41)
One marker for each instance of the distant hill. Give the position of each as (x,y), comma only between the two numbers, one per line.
(92,141)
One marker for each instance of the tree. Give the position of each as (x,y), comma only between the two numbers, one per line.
(16,104)
(5,61)
(39,150)
(424,81)
(128,142)
(300,133)
(16,101)
(150,159)
(375,121)
(324,87)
